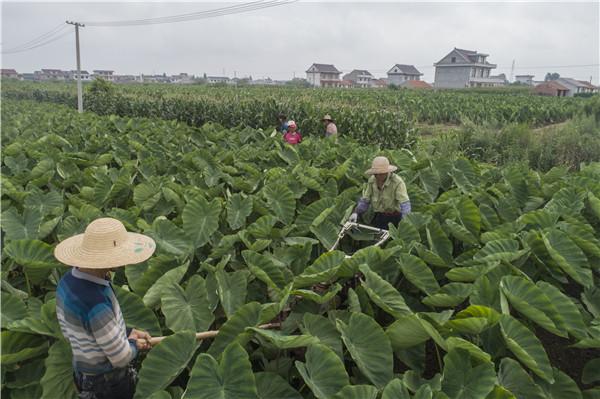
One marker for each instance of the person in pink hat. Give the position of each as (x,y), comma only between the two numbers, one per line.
(292,136)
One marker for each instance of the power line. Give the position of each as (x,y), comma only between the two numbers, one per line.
(223,11)
(43,43)
(54,31)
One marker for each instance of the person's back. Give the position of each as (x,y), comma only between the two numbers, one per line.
(90,318)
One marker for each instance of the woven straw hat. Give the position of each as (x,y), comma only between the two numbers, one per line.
(380,165)
(104,245)
(327,118)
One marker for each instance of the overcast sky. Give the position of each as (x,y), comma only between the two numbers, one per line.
(280,41)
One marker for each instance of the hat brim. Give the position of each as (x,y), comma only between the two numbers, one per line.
(372,171)
(136,249)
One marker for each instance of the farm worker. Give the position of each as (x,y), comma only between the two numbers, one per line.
(88,311)
(330,127)
(292,136)
(386,192)
(283,123)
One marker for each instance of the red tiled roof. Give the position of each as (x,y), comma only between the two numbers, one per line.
(416,84)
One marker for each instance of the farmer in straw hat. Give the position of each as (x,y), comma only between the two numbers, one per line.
(330,127)
(386,192)
(88,311)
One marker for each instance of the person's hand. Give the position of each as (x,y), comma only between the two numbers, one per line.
(353,218)
(142,339)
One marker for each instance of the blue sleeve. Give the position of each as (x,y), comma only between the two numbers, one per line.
(405,208)
(362,206)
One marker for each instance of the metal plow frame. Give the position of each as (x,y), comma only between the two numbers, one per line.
(385,234)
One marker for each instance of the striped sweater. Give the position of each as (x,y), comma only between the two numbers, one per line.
(91,320)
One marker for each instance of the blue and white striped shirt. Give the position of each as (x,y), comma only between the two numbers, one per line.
(91,319)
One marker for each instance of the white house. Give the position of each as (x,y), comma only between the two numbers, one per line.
(577,86)
(464,68)
(360,78)
(104,74)
(217,79)
(323,75)
(400,73)
(85,76)
(525,79)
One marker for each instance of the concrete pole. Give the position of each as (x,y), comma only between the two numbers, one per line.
(79,88)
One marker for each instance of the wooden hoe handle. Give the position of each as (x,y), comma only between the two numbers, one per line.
(209,334)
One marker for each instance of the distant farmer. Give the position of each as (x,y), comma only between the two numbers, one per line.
(88,311)
(386,192)
(292,136)
(282,123)
(330,127)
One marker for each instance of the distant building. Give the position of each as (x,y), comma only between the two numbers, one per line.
(464,68)
(577,86)
(103,74)
(401,73)
(360,78)
(9,73)
(380,83)
(182,78)
(551,88)
(217,79)
(28,76)
(525,79)
(52,74)
(415,84)
(323,75)
(125,78)
(85,76)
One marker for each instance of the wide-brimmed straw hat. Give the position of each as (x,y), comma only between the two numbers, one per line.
(380,165)
(291,124)
(105,244)
(327,118)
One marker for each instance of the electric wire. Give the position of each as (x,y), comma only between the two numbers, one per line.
(39,44)
(223,11)
(43,37)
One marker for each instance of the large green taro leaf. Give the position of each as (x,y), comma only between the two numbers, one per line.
(135,313)
(232,378)
(383,293)
(526,347)
(57,381)
(238,209)
(17,347)
(395,390)
(249,315)
(273,386)
(32,254)
(514,378)
(531,301)
(418,273)
(281,341)
(499,250)
(568,256)
(201,220)
(232,288)
(356,392)
(187,309)
(265,269)
(324,329)
(474,320)
(281,201)
(464,380)
(563,387)
(13,309)
(369,346)
(323,372)
(164,363)
(153,295)
(170,238)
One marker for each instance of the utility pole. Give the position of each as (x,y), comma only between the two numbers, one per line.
(79,89)
(512,71)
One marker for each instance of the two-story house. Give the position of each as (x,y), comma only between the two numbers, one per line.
(360,78)
(85,76)
(9,73)
(104,74)
(52,74)
(322,75)
(400,73)
(464,68)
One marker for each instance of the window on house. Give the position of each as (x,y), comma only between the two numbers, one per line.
(473,72)
(453,59)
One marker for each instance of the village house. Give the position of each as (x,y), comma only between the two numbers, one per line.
(465,68)
(29,76)
(51,74)
(323,75)
(525,79)
(415,84)
(551,88)
(103,74)
(217,79)
(360,78)
(577,86)
(125,79)
(400,73)
(9,73)
(85,76)
(182,78)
